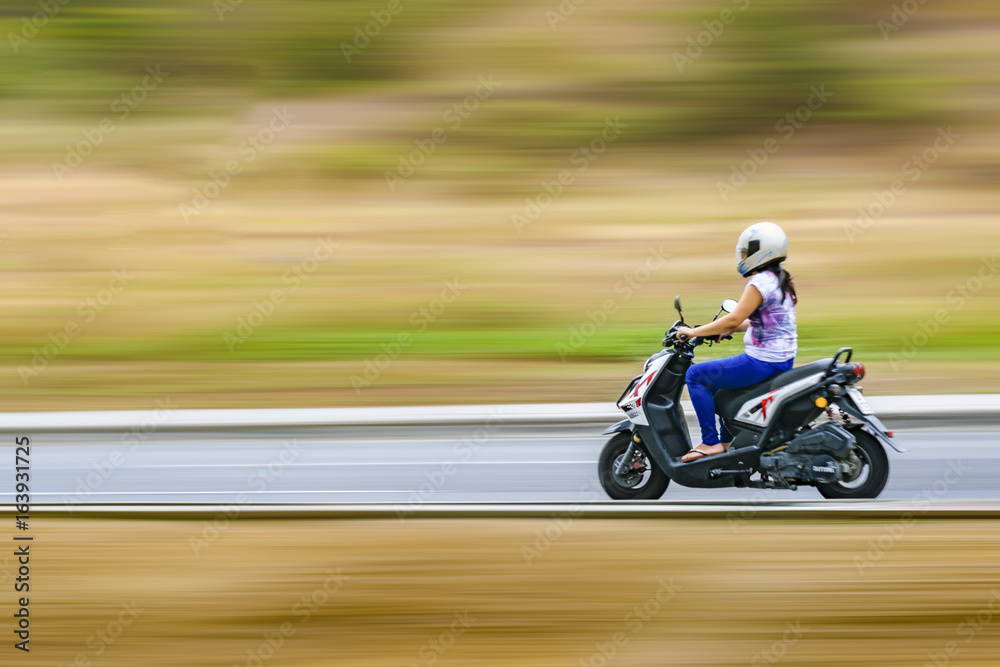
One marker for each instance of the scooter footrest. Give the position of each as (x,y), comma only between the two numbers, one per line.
(719,472)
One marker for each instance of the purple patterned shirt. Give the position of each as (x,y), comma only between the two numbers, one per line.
(772,334)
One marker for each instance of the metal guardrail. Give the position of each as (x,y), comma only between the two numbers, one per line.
(858,509)
(975,407)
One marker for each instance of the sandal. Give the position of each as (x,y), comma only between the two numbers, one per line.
(702,453)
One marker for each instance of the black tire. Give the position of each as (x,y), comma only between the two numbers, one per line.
(872,477)
(649,486)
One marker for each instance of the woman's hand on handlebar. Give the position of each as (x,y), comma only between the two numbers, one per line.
(725,335)
(687,333)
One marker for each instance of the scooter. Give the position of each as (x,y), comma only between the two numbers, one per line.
(809,426)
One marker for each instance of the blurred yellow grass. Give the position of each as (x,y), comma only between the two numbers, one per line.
(197,275)
(164,334)
(537,593)
(130,385)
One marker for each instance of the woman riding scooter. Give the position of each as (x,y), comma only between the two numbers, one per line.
(766,312)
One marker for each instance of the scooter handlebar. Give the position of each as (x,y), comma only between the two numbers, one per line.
(672,338)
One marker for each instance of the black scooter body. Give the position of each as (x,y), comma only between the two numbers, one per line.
(666,439)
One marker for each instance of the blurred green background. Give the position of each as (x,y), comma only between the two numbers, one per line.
(215,152)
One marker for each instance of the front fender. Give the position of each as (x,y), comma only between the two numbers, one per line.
(623,425)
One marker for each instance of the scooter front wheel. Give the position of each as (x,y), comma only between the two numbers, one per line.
(645,482)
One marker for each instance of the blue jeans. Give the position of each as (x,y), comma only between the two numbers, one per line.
(706,378)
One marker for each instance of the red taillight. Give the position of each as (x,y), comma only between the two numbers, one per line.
(859,370)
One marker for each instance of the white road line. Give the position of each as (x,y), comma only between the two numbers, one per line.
(210,493)
(330,465)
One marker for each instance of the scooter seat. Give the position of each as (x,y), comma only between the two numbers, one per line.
(729,401)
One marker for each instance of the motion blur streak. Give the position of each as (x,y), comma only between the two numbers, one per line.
(204,144)
(360,593)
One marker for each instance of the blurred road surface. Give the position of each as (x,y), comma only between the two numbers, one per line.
(412,466)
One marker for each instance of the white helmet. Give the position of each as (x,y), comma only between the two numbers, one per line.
(760,244)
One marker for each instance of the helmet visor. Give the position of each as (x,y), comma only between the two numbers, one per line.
(745,250)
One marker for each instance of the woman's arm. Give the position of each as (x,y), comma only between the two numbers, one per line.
(734,321)
(742,327)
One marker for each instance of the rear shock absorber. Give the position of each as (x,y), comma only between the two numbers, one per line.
(839,417)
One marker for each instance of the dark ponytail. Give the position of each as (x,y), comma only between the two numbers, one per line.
(785,281)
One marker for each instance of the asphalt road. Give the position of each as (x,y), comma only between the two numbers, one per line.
(414,466)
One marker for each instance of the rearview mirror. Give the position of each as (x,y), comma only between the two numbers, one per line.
(729,305)
(677,304)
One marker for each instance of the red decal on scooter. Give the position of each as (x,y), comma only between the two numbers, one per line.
(646,380)
(763,406)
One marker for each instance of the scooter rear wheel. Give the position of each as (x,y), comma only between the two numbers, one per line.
(647,485)
(871,476)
